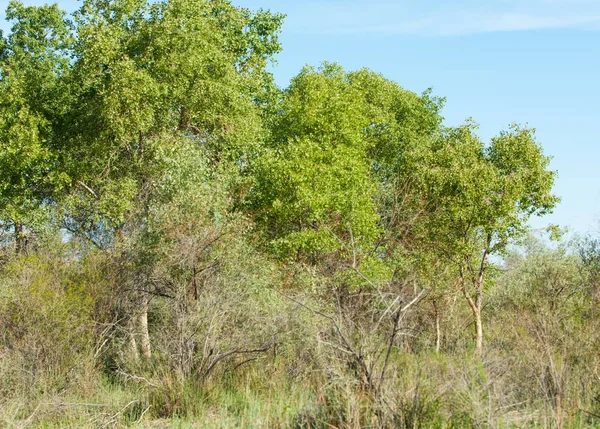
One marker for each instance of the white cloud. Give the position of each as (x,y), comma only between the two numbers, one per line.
(464,24)
(434,19)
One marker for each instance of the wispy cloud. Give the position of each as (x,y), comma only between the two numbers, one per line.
(469,23)
(437,18)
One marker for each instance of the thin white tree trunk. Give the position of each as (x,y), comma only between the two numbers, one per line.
(475,305)
(479,333)
(133,349)
(438,330)
(144,333)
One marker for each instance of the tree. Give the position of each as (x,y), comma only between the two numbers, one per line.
(146,76)
(33,63)
(145,72)
(589,254)
(478,200)
(332,158)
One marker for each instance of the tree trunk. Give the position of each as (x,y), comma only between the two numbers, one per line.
(19,238)
(475,298)
(476,305)
(479,307)
(144,333)
(438,335)
(479,332)
(133,350)
(558,411)
(438,330)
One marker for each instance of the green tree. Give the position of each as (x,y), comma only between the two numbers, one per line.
(147,72)
(478,200)
(332,158)
(33,62)
(145,77)
(314,179)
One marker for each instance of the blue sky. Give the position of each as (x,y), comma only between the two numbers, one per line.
(498,61)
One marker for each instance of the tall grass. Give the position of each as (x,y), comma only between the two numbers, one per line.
(64,360)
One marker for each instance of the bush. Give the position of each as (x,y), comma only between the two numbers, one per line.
(48,333)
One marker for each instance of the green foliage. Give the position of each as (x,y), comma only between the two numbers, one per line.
(555,330)
(542,277)
(479,193)
(46,315)
(34,59)
(146,73)
(195,246)
(335,145)
(314,179)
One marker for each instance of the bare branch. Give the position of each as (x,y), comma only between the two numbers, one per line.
(87,188)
